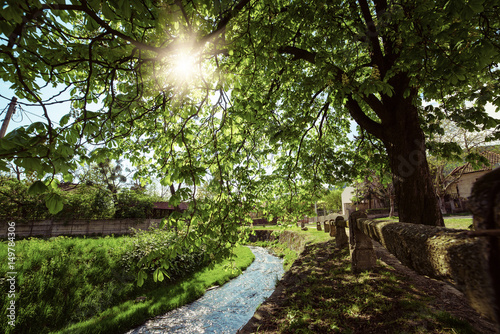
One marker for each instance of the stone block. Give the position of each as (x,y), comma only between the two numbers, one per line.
(362,252)
(333,229)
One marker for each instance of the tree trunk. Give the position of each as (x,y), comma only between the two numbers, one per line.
(391,200)
(442,205)
(415,195)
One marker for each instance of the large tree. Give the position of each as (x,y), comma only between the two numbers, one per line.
(381,62)
(273,79)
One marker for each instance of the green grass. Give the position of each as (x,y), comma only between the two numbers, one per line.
(130,314)
(455,223)
(458,223)
(70,280)
(66,279)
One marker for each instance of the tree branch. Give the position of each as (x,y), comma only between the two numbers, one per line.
(378,57)
(377,106)
(221,26)
(299,53)
(363,120)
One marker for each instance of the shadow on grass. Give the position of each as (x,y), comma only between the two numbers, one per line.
(324,296)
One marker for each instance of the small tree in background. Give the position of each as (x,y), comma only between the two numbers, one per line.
(333,200)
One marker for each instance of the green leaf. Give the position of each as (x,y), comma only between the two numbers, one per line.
(3,166)
(107,11)
(37,188)
(158,275)
(64,120)
(162,223)
(54,202)
(141,276)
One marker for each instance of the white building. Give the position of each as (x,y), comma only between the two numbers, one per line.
(347,194)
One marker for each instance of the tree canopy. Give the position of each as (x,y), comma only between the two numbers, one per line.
(267,111)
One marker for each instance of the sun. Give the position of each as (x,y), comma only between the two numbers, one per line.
(184,65)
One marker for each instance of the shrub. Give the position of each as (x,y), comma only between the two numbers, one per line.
(133,204)
(15,202)
(156,241)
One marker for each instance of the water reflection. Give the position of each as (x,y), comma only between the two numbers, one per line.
(225,309)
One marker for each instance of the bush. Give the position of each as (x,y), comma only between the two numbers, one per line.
(15,202)
(83,202)
(133,204)
(156,241)
(86,202)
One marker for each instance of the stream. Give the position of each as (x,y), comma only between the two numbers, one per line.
(227,308)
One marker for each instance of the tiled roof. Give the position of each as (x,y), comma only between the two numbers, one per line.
(67,186)
(493,158)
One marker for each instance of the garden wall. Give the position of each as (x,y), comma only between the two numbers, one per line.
(53,228)
(470,260)
(437,252)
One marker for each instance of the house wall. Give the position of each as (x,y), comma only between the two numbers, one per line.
(465,183)
(347,194)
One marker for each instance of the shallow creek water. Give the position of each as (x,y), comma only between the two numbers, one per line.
(224,309)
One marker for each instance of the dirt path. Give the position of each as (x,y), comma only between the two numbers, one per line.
(320,295)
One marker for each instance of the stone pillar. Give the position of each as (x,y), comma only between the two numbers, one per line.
(327,226)
(318,226)
(362,252)
(485,206)
(333,229)
(341,240)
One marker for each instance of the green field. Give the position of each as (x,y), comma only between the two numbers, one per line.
(89,284)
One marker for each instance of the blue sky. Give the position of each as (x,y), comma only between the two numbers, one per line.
(27,112)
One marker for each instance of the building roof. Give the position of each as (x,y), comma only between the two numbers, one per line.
(493,158)
(67,186)
(167,206)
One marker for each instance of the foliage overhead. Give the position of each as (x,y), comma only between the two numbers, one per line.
(267,112)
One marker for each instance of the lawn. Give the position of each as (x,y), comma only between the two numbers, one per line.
(449,222)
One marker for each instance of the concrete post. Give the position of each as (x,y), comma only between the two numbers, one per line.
(10,112)
(318,225)
(340,235)
(362,252)
(333,229)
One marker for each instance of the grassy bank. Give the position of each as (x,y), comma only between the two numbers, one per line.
(329,298)
(161,300)
(71,280)
(282,251)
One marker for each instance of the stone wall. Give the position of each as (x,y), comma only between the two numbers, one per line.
(437,252)
(53,228)
(470,260)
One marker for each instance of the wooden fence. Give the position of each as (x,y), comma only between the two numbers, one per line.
(54,228)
